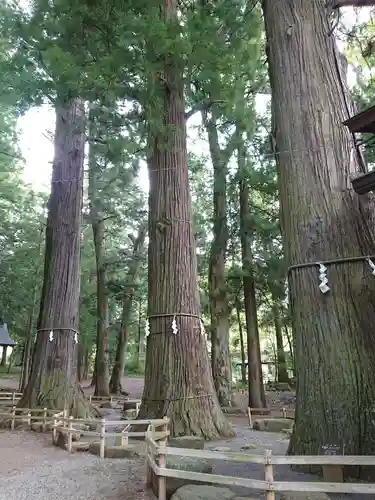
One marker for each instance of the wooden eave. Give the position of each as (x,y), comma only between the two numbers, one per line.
(363,122)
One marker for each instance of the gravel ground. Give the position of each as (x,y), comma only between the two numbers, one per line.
(31,468)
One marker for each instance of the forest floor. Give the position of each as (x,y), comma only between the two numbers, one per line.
(31,468)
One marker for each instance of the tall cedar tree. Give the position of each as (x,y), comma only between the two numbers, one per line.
(53,379)
(127,304)
(101,375)
(257,397)
(322,219)
(178,379)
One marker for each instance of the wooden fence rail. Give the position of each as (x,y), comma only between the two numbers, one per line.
(66,425)
(269,485)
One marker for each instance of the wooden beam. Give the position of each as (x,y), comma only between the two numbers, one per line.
(353,3)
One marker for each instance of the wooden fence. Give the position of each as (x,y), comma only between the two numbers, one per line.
(44,416)
(66,425)
(9,398)
(288,413)
(269,485)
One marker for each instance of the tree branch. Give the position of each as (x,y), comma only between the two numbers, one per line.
(202,106)
(336,4)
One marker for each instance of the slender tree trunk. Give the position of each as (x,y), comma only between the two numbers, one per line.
(26,362)
(101,371)
(102,354)
(242,344)
(53,378)
(178,379)
(4,356)
(291,349)
(219,309)
(322,219)
(139,336)
(119,365)
(257,397)
(282,371)
(82,367)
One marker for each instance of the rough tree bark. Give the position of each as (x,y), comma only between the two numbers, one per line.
(219,308)
(322,219)
(119,365)
(53,379)
(178,379)
(257,397)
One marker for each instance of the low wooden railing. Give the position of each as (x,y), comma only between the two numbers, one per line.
(9,398)
(66,425)
(28,416)
(269,485)
(288,413)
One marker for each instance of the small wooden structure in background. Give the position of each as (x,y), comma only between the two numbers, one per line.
(363,123)
(5,341)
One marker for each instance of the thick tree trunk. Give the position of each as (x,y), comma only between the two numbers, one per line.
(242,343)
(119,365)
(219,310)
(282,370)
(53,378)
(178,379)
(322,219)
(4,356)
(257,397)
(102,354)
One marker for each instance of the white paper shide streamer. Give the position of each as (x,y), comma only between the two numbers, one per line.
(147,328)
(76,337)
(323,285)
(174,326)
(51,336)
(372,265)
(203,331)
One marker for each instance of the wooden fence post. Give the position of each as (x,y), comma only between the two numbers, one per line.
(70,434)
(162,480)
(13,421)
(124,437)
(65,415)
(90,398)
(249,415)
(283,412)
(44,419)
(54,431)
(268,474)
(13,398)
(148,468)
(29,419)
(102,438)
